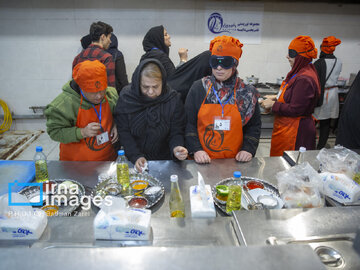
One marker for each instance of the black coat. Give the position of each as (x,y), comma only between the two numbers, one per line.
(348,134)
(197,93)
(149,128)
(121,79)
(193,70)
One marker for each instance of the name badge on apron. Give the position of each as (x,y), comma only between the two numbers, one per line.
(222,123)
(102,138)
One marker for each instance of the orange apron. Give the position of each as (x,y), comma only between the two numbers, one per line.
(219,143)
(87,149)
(286,128)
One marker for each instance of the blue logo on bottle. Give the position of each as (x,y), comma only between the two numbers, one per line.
(215,23)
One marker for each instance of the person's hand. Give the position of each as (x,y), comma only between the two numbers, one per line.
(91,130)
(272,97)
(183,54)
(180,152)
(267,104)
(140,163)
(243,156)
(202,157)
(114,134)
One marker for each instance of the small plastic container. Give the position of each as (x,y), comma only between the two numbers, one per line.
(252,184)
(268,201)
(139,186)
(138,202)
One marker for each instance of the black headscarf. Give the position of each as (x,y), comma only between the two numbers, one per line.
(132,100)
(113,48)
(85,41)
(154,38)
(320,66)
(193,70)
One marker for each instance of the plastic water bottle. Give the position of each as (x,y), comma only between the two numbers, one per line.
(176,203)
(41,170)
(233,202)
(122,172)
(300,158)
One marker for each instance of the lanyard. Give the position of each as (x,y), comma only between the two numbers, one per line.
(97,113)
(289,80)
(287,83)
(223,105)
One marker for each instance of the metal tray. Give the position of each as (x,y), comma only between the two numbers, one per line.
(64,210)
(244,179)
(152,200)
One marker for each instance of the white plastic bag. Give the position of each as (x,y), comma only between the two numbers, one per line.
(20,222)
(300,186)
(340,187)
(339,160)
(116,222)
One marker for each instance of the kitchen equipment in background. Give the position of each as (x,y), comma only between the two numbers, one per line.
(341,82)
(279,80)
(252,80)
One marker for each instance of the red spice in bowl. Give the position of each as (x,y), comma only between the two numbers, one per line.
(254,184)
(138,202)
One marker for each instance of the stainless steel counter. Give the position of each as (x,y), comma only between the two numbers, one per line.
(219,231)
(309,156)
(152,258)
(185,242)
(332,227)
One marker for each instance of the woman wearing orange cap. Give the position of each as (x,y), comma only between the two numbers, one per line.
(328,68)
(295,103)
(80,118)
(223,116)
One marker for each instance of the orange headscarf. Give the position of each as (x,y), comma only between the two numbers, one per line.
(304,45)
(90,76)
(226,46)
(329,43)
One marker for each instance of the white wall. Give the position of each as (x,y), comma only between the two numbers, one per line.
(39,39)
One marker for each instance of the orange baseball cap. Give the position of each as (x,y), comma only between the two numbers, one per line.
(226,46)
(90,76)
(304,45)
(329,43)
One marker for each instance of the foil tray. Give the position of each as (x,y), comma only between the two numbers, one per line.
(64,210)
(244,179)
(152,200)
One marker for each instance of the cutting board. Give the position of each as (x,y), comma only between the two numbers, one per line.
(11,170)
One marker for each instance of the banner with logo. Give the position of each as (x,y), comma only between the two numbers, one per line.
(240,20)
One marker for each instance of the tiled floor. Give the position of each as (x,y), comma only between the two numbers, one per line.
(51,148)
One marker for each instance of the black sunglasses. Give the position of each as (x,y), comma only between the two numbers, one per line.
(293,53)
(225,62)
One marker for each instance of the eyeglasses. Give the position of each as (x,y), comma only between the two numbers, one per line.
(225,62)
(293,53)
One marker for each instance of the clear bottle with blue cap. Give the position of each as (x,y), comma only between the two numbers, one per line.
(233,202)
(41,170)
(122,170)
